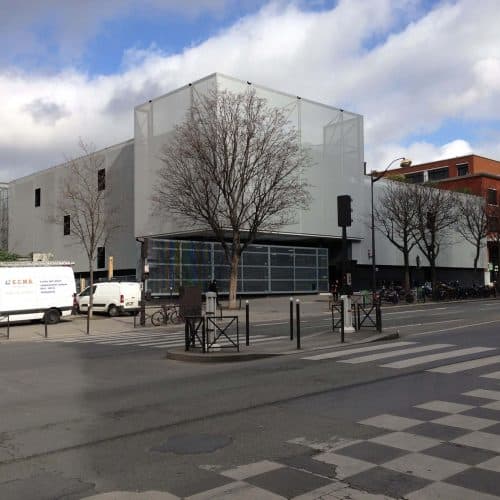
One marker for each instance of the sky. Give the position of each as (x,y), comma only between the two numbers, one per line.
(425,74)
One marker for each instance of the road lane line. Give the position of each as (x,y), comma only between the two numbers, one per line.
(420,360)
(394,354)
(466,365)
(338,354)
(461,327)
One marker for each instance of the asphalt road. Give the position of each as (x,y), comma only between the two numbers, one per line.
(81,419)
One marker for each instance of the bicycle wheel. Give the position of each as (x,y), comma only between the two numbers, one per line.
(157,318)
(174,316)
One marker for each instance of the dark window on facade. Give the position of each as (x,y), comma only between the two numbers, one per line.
(101,179)
(416,178)
(492,197)
(462,169)
(67,224)
(38,197)
(101,257)
(438,174)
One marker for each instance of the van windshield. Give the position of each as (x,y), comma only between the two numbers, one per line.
(86,292)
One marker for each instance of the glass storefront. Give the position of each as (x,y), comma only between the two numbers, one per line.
(262,269)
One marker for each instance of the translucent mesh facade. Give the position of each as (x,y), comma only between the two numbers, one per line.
(333,137)
(262,269)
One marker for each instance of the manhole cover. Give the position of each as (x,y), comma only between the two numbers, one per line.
(189,444)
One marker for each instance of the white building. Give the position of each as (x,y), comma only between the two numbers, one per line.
(302,257)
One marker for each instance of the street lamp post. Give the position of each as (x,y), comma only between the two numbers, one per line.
(374,177)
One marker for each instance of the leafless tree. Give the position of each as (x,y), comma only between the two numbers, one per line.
(472,222)
(84,199)
(395,217)
(435,215)
(234,166)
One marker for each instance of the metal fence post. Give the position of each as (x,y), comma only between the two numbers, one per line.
(291,318)
(298,324)
(342,320)
(247,322)
(379,318)
(204,339)
(186,335)
(359,316)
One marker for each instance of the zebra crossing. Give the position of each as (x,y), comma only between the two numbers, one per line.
(146,340)
(414,354)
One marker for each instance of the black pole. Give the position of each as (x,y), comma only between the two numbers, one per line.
(342,320)
(88,320)
(204,340)
(298,324)
(359,316)
(291,318)
(45,326)
(379,317)
(374,266)
(247,325)
(186,335)
(8,326)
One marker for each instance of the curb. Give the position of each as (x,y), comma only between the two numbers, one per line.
(217,357)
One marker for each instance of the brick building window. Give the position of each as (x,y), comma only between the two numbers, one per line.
(66,225)
(492,196)
(462,169)
(438,174)
(415,178)
(38,197)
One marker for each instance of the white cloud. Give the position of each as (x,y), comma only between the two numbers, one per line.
(405,71)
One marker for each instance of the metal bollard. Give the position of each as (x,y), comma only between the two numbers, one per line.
(8,326)
(378,317)
(247,317)
(298,324)
(342,321)
(186,335)
(359,317)
(291,318)
(45,324)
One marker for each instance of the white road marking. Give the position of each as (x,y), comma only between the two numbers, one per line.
(393,354)
(272,324)
(339,354)
(467,365)
(461,327)
(495,375)
(420,360)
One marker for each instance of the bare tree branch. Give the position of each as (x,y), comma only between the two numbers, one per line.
(92,220)
(234,166)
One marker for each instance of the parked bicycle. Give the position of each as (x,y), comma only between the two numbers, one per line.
(169,313)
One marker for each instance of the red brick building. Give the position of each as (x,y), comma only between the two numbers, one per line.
(471,173)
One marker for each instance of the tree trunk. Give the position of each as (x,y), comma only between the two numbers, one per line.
(476,257)
(406,258)
(91,283)
(233,281)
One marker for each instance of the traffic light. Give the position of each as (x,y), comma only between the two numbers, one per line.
(344,210)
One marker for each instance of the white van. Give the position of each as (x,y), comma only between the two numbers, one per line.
(34,290)
(111,297)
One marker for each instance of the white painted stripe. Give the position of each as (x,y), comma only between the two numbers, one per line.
(271,324)
(420,360)
(409,325)
(411,311)
(393,354)
(339,354)
(461,327)
(467,365)
(93,338)
(495,375)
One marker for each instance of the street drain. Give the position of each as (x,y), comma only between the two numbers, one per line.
(189,444)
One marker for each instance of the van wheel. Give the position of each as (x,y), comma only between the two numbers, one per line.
(52,316)
(113,311)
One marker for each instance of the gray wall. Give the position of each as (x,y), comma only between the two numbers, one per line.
(32,230)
